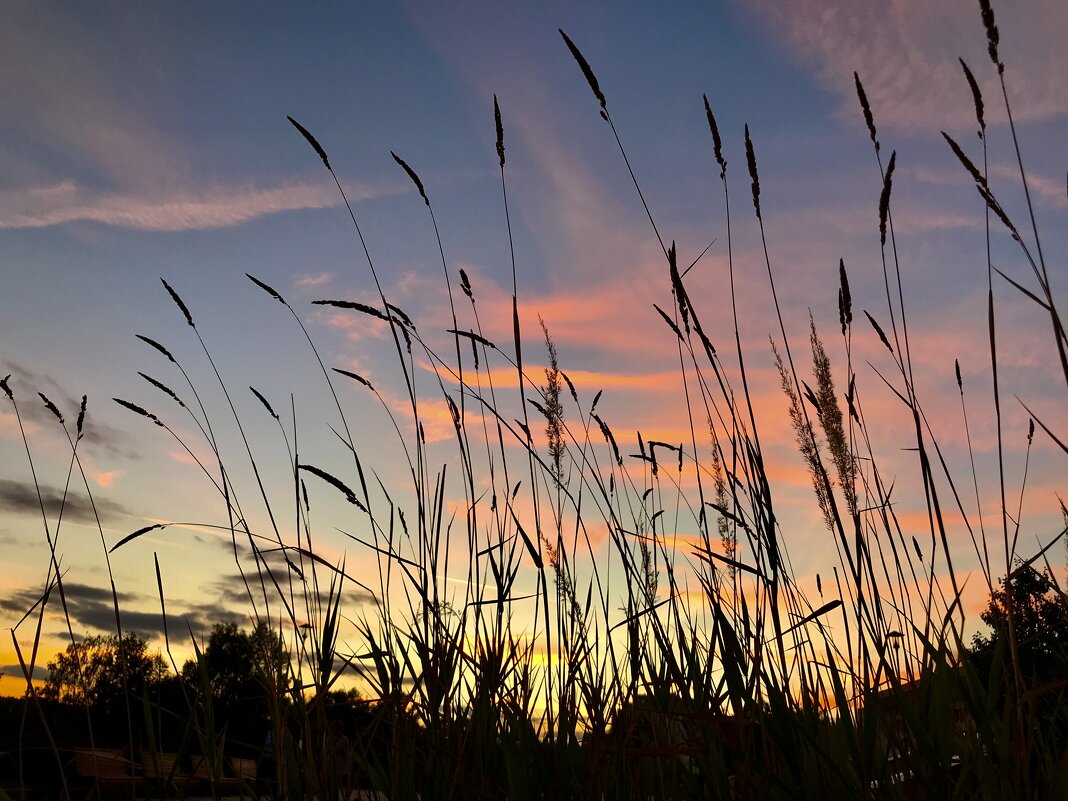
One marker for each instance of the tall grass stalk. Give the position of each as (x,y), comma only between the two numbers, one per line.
(682,658)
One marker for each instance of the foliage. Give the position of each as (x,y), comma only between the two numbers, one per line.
(99,668)
(234,682)
(238,662)
(1039,617)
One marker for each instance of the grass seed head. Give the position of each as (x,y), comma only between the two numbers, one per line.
(269,290)
(845,301)
(500,130)
(81,415)
(263,400)
(717,142)
(355,306)
(156,345)
(311,141)
(879,330)
(133,407)
(179,303)
(977,98)
(412,175)
(584,65)
(750,158)
(862,96)
(51,407)
(358,378)
(992,36)
(884,198)
(162,388)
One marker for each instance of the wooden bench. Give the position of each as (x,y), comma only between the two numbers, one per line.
(163,773)
(111,773)
(229,777)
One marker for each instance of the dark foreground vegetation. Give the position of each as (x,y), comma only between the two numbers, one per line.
(652,670)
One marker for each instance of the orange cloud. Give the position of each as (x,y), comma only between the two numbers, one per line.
(182,457)
(9,426)
(105,478)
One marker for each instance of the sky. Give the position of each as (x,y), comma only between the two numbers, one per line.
(144,141)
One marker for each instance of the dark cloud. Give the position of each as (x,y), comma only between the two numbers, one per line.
(231,587)
(78,597)
(93,608)
(18,497)
(15,672)
(97,435)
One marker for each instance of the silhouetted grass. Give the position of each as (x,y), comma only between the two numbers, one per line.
(646,671)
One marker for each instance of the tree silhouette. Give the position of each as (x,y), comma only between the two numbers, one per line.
(96,669)
(1040,618)
(240,672)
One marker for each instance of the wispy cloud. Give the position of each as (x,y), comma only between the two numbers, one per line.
(9,425)
(1045,189)
(312,280)
(1050,191)
(17,497)
(27,383)
(184,210)
(906,54)
(231,593)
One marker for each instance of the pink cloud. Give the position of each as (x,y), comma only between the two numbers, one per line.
(1050,191)
(9,426)
(312,280)
(906,54)
(105,478)
(181,457)
(182,210)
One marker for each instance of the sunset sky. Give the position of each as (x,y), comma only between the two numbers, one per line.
(143,141)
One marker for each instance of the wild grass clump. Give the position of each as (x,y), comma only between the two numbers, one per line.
(648,669)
